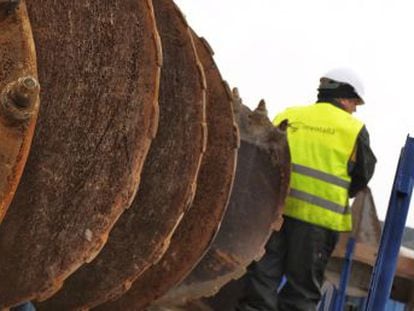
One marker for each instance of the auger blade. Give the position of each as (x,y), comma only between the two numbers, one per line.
(19,97)
(256,203)
(143,232)
(98,63)
(198,228)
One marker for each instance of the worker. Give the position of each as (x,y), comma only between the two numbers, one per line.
(331,161)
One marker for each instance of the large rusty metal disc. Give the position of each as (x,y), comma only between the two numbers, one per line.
(19,100)
(98,64)
(198,228)
(143,232)
(256,203)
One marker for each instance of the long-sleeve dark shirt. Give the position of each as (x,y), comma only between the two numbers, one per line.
(362,169)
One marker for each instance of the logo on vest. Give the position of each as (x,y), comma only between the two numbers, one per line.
(295,126)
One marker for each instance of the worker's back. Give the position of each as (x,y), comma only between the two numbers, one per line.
(321,141)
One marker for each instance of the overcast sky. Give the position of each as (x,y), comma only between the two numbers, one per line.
(277,50)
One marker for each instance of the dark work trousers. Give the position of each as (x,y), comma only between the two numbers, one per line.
(300,252)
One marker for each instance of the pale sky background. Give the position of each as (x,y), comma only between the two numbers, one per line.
(277,50)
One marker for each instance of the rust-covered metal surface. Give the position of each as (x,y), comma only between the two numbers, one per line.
(257,199)
(142,234)
(200,224)
(98,63)
(19,97)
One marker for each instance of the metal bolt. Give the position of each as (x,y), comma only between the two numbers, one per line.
(19,97)
(22,95)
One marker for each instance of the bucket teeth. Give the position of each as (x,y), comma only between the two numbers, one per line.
(261,108)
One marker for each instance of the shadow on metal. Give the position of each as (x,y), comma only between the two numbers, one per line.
(255,208)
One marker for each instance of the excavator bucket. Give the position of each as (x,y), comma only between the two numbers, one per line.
(143,233)
(198,228)
(99,67)
(255,208)
(19,97)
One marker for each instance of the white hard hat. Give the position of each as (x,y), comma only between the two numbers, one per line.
(346,75)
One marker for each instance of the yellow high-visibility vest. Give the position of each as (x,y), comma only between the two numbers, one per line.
(321,140)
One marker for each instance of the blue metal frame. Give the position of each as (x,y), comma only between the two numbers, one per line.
(386,263)
(340,296)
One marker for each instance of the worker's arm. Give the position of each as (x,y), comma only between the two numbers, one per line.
(362,165)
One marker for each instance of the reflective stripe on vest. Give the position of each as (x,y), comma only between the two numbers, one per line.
(320,175)
(321,140)
(313,199)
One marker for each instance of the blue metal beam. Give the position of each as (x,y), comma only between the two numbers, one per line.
(340,296)
(386,263)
